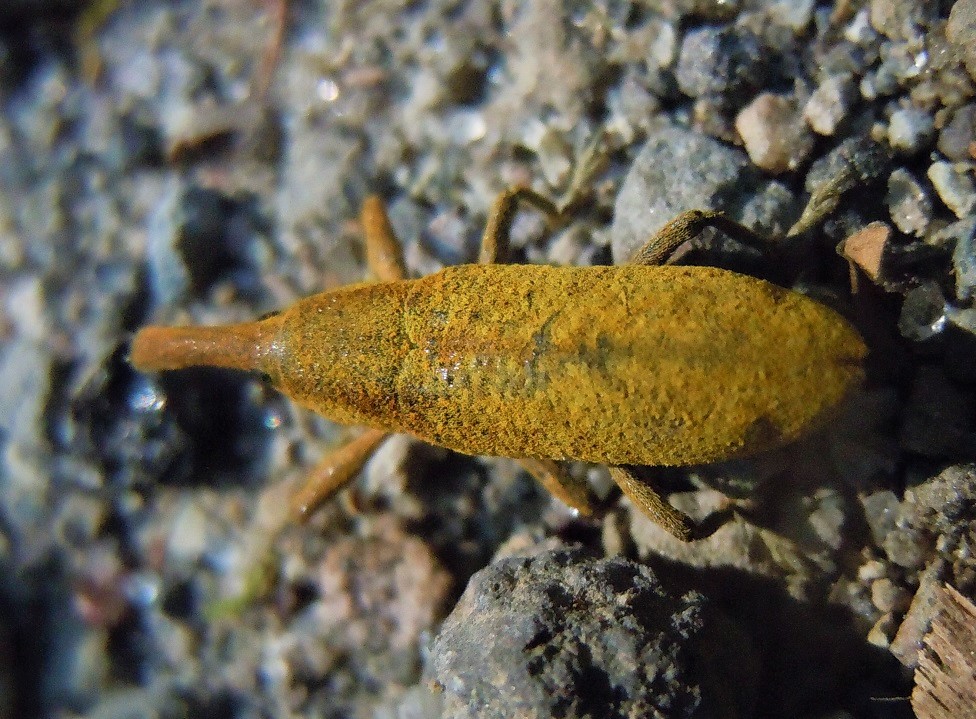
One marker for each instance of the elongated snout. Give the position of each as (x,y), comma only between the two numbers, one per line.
(246,346)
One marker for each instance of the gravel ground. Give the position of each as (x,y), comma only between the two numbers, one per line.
(204,161)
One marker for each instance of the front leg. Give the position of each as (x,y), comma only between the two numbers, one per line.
(384,257)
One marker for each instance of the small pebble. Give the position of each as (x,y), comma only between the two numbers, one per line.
(961,31)
(955,187)
(829,104)
(795,14)
(908,203)
(663,47)
(964,257)
(871,570)
(881,513)
(956,138)
(828,516)
(24,307)
(773,132)
(897,19)
(26,368)
(889,597)
(188,535)
(859,30)
(922,313)
(879,83)
(910,130)
(883,631)
(142,589)
(716,61)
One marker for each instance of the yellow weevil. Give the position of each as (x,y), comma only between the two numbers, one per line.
(642,364)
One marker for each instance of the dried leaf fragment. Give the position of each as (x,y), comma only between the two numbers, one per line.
(866,248)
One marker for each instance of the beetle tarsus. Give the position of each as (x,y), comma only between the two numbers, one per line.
(677,524)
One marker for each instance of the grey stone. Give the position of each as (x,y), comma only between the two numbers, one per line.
(898,19)
(564,634)
(964,256)
(923,313)
(889,597)
(903,548)
(945,505)
(959,134)
(859,30)
(961,31)
(168,277)
(955,187)
(795,14)
(720,61)
(908,203)
(679,170)
(910,129)
(829,104)
(881,514)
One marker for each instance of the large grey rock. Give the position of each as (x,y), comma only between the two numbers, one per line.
(565,634)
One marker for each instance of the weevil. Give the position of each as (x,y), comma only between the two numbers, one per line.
(640,364)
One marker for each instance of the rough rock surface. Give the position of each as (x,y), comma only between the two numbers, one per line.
(562,633)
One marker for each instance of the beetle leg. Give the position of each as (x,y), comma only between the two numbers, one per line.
(384,253)
(661,247)
(562,485)
(658,251)
(497,237)
(384,256)
(494,248)
(334,472)
(677,524)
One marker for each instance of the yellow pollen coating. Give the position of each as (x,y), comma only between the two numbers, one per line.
(620,365)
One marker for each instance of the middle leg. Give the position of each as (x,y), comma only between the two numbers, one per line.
(658,251)
(687,226)
(494,248)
